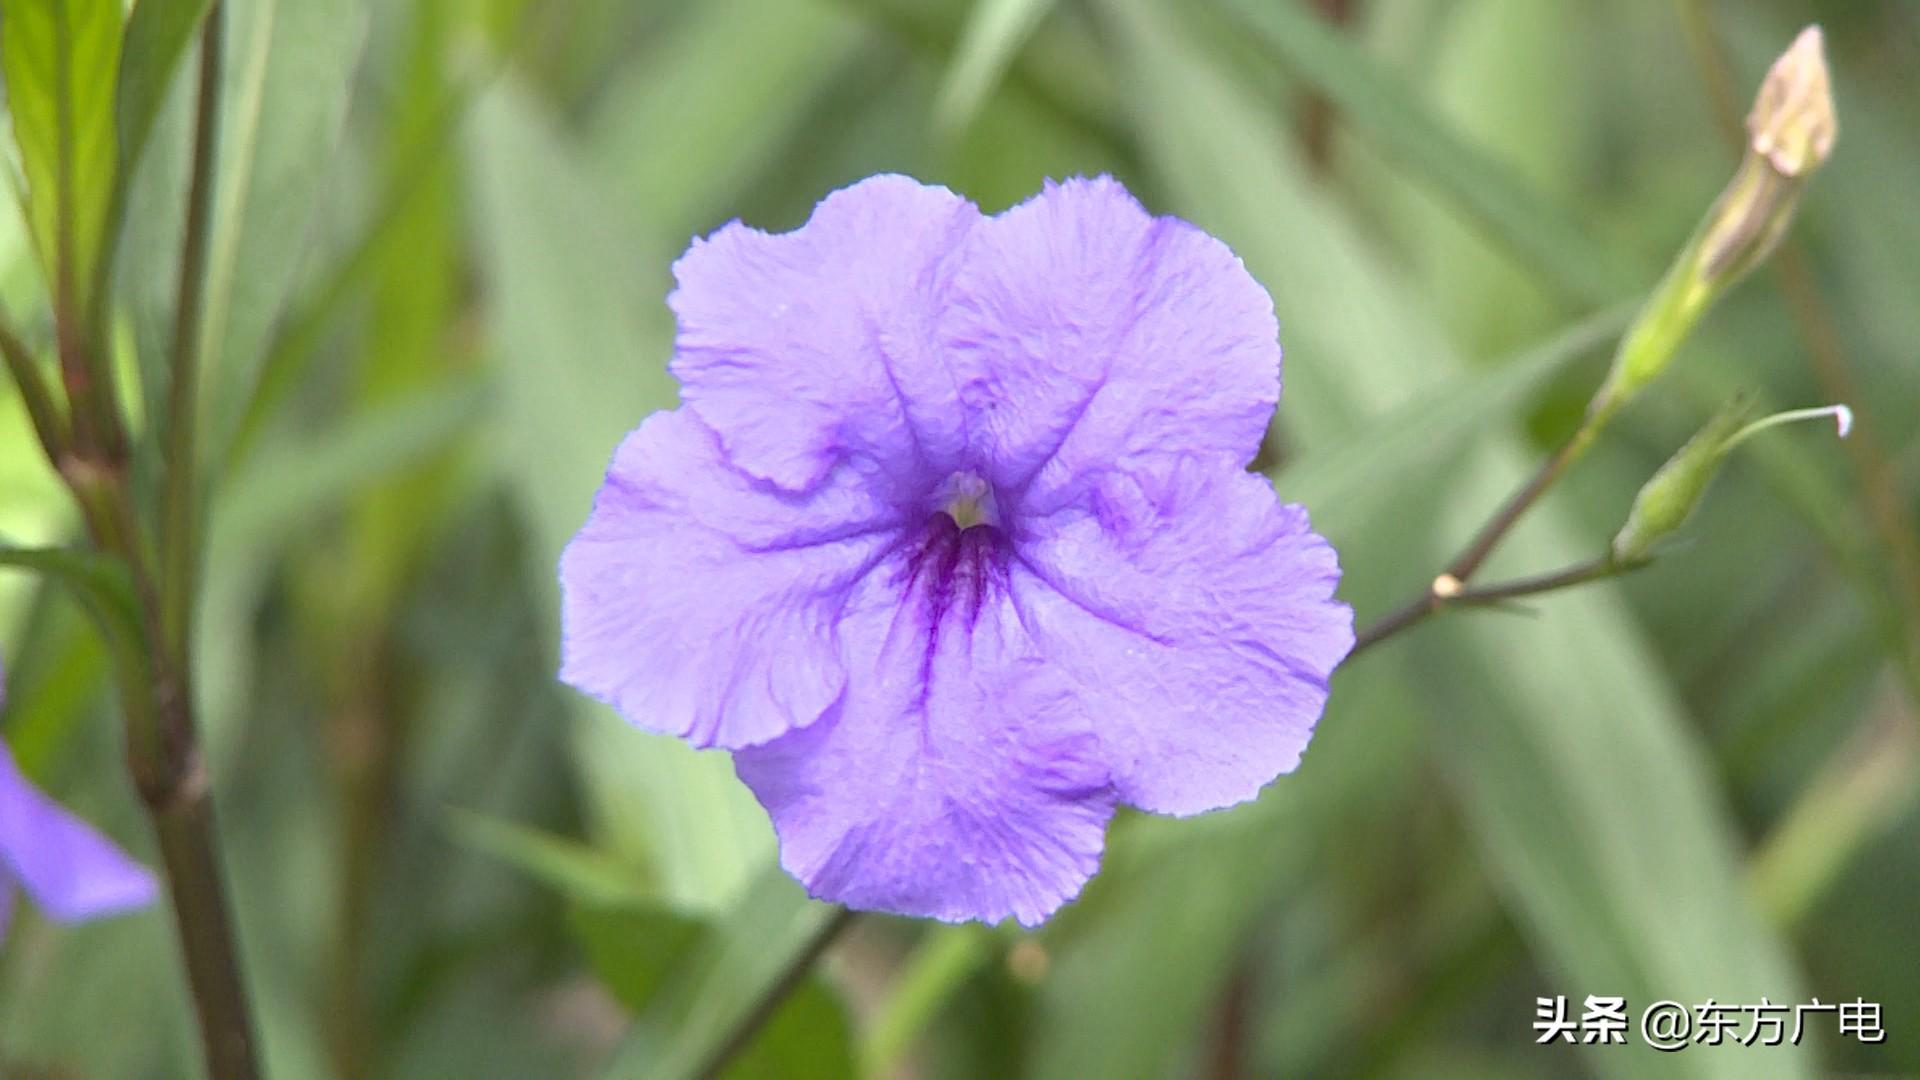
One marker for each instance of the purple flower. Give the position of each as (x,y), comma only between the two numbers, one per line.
(70,870)
(953,543)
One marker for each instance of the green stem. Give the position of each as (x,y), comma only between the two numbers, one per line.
(179,553)
(946,958)
(49,422)
(1647,348)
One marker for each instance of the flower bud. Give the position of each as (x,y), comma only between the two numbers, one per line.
(1790,134)
(1792,124)
(1668,499)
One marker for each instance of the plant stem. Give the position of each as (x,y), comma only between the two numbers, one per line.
(1469,561)
(1496,529)
(187,845)
(1438,599)
(163,751)
(49,422)
(177,786)
(163,755)
(1593,570)
(774,993)
(179,553)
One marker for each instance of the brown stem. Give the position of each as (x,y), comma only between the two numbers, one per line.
(1593,570)
(163,755)
(1232,1023)
(1440,598)
(368,751)
(177,791)
(188,848)
(770,999)
(1315,111)
(1469,561)
(163,751)
(1448,586)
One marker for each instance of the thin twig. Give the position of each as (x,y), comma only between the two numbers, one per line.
(776,992)
(1441,598)
(1469,561)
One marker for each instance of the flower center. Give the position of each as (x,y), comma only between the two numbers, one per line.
(968,500)
(957,561)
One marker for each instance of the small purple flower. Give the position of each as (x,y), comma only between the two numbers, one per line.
(69,869)
(953,544)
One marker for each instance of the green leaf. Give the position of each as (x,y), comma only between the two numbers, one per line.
(806,1038)
(158,34)
(289,75)
(101,583)
(944,960)
(295,481)
(282,494)
(1381,108)
(719,97)
(581,361)
(747,957)
(404,248)
(1357,482)
(1141,957)
(579,872)
(60,57)
(636,950)
(57,674)
(994,34)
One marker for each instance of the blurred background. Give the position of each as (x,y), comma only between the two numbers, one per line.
(442,238)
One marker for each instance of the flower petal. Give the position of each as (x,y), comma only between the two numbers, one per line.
(1200,629)
(701,603)
(71,870)
(807,347)
(958,779)
(1091,337)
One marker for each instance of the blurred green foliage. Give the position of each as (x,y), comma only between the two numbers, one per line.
(441,245)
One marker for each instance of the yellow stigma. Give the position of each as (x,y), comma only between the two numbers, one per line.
(965,513)
(968,501)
